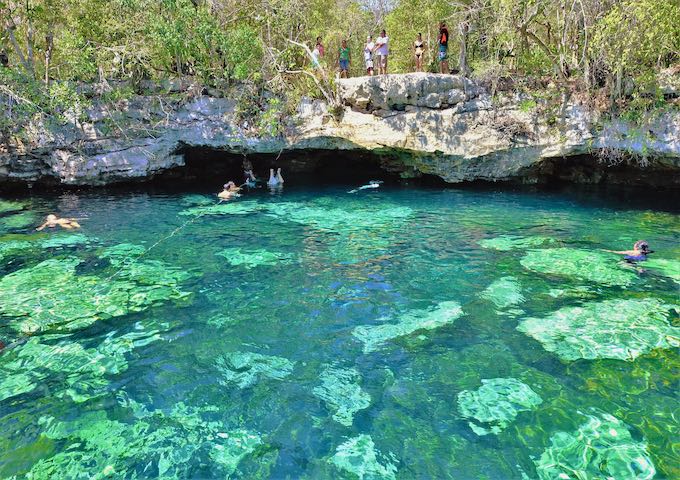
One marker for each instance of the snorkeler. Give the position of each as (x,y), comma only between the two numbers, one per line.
(275,180)
(371,184)
(637,254)
(53,221)
(230,191)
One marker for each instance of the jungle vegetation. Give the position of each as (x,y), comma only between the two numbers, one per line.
(613,48)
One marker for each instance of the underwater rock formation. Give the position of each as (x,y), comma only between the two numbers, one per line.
(601,448)
(618,329)
(254,257)
(418,123)
(375,336)
(341,391)
(245,369)
(494,405)
(359,457)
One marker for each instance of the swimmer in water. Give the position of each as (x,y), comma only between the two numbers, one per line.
(275,180)
(371,184)
(637,254)
(52,221)
(230,191)
(248,176)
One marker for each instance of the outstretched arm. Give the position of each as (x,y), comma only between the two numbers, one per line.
(42,227)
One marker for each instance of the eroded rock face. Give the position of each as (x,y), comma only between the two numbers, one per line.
(417,123)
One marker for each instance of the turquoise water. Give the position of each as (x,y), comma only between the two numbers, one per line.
(396,333)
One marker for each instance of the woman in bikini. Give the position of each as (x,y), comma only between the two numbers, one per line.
(419,50)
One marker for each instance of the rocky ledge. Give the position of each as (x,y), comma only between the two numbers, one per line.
(415,123)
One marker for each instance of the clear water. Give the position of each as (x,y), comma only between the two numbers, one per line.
(246,361)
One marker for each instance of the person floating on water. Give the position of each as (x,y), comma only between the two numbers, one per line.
(230,191)
(371,184)
(637,254)
(52,221)
(275,180)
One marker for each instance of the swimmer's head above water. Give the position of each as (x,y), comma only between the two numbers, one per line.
(643,247)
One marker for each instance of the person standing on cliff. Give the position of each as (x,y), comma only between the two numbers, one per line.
(344,59)
(419,50)
(368,55)
(382,50)
(443,48)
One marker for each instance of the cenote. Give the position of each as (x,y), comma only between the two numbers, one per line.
(397,333)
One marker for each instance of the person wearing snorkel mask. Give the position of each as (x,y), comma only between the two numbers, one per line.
(637,254)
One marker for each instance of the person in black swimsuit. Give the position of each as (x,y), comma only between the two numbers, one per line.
(419,50)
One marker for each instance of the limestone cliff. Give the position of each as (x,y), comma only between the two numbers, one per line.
(420,123)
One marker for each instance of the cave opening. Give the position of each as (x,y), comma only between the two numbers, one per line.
(299,167)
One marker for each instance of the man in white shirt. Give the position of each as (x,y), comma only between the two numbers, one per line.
(382,51)
(368,55)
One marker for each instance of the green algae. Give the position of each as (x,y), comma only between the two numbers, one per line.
(9,206)
(71,369)
(241,207)
(506,243)
(601,448)
(359,457)
(254,257)
(496,404)
(336,219)
(196,199)
(617,329)
(504,292)
(12,247)
(245,369)
(592,266)
(51,295)
(65,240)
(122,253)
(666,267)
(340,389)
(375,336)
(155,445)
(18,221)
(234,447)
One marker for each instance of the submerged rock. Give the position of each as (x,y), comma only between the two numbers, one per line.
(10,206)
(65,240)
(252,258)
(341,391)
(504,292)
(617,329)
(600,448)
(240,207)
(359,456)
(12,247)
(505,243)
(328,218)
(375,336)
(18,221)
(496,404)
(50,295)
(244,369)
(667,267)
(156,445)
(593,266)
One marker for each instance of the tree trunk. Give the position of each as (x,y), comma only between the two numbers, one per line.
(464,28)
(49,41)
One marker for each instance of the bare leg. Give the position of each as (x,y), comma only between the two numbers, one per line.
(278,176)
(272,179)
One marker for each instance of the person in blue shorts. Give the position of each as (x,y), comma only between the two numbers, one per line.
(344,59)
(443,48)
